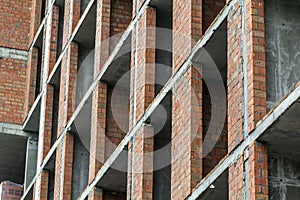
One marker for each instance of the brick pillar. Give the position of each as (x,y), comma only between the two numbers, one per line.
(186,168)
(31,74)
(53,37)
(102,33)
(256,48)
(97,143)
(64,152)
(142,171)
(258,172)
(36,12)
(253,55)
(70,21)
(99,96)
(46,130)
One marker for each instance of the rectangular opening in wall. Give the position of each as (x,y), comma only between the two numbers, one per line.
(61,5)
(39,44)
(282,26)
(161,118)
(210,10)
(213,64)
(217,190)
(50,170)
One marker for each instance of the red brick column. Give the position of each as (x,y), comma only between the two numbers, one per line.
(256,47)
(70,21)
(186,168)
(97,144)
(102,33)
(211,9)
(142,171)
(99,96)
(64,153)
(36,18)
(254,57)
(258,171)
(31,72)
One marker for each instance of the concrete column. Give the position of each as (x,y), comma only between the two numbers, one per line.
(31,160)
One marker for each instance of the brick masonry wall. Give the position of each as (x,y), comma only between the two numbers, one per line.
(220,149)
(211,9)
(64,153)
(31,79)
(258,171)
(255,52)
(105,132)
(145,91)
(15,24)
(36,18)
(186,168)
(10,191)
(234,78)
(256,48)
(12,90)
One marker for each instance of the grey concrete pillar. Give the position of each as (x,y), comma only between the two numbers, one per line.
(31,160)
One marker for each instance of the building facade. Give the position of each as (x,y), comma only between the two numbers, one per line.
(150,99)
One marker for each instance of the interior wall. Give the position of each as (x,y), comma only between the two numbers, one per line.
(284,176)
(282,47)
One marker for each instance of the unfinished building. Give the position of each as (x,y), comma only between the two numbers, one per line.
(150,99)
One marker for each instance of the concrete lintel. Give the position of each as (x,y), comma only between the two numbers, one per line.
(262,126)
(14,129)
(13,53)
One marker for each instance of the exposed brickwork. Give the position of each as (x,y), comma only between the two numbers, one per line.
(186,168)
(145,92)
(236,180)
(187,27)
(70,21)
(54,37)
(234,78)
(121,15)
(102,33)
(258,171)
(220,148)
(105,131)
(63,168)
(10,191)
(98,127)
(64,153)
(36,17)
(211,8)
(43,189)
(31,75)
(256,47)
(117,118)
(15,24)
(12,90)
(256,75)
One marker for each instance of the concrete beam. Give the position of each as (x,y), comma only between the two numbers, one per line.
(13,53)
(14,129)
